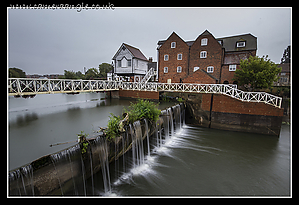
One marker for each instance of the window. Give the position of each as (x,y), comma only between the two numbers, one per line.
(119,63)
(232,67)
(165,69)
(166,57)
(180,56)
(210,69)
(195,69)
(241,44)
(204,42)
(203,54)
(179,69)
(129,63)
(124,62)
(172,44)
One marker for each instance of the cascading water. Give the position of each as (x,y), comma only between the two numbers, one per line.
(23,178)
(74,172)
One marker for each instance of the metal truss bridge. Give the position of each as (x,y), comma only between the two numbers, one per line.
(33,86)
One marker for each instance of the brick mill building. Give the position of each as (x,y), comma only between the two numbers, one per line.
(206,60)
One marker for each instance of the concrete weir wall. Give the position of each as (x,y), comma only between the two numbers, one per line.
(226,113)
(55,174)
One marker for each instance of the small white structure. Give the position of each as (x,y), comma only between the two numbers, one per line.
(129,64)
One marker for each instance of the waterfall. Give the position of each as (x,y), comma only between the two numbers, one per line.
(23,177)
(71,172)
(147,138)
(101,143)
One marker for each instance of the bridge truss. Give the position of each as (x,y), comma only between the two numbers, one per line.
(32,86)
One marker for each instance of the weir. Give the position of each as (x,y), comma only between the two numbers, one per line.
(71,171)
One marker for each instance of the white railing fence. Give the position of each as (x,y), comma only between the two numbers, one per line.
(31,86)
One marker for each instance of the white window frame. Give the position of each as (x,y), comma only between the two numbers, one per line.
(210,69)
(165,69)
(204,42)
(124,63)
(179,69)
(232,67)
(203,54)
(173,45)
(129,62)
(181,56)
(241,44)
(166,57)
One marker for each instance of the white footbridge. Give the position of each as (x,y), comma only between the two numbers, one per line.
(33,86)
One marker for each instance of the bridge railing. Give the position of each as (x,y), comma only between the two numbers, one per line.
(29,86)
(224,89)
(32,86)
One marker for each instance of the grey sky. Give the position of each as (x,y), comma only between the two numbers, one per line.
(50,41)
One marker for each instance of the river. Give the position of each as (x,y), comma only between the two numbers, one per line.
(195,161)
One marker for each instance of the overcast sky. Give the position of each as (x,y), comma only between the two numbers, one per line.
(50,41)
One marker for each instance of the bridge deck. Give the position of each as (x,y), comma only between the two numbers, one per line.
(32,86)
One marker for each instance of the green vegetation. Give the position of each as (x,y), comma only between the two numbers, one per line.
(16,73)
(143,109)
(90,74)
(113,127)
(84,143)
(256,73)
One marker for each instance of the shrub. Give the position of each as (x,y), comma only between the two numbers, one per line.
(113,127)
(143,109)
(138,111)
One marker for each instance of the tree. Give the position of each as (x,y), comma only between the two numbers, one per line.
(79,75)
(91,74)
(257,72)
(286,56)
(70,74)
(16,73)
(104,68)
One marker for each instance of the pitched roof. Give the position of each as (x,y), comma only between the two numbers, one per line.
(230,42)
(134,51)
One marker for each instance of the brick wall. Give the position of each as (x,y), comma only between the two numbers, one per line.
(172,63)
(214,56)
(230,114)
(233,58)
(223,103)
(139,94)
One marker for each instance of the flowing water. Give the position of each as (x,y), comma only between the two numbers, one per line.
(179,159)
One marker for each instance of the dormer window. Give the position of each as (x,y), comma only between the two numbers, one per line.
(172,44)
(241,44)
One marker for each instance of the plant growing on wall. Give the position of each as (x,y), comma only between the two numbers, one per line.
(113,127)
(84,143)
(143,109)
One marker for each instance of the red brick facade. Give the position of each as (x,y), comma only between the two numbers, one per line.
(226,104)
(173,63)
(139,94)
(203,61)
(213,56)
